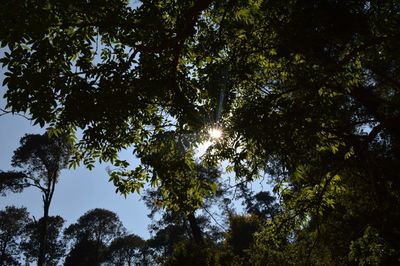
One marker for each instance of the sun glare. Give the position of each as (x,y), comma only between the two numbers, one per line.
(215,133)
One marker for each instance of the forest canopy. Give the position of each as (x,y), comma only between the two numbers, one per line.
(305,92)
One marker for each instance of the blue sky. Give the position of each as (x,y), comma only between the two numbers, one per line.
(77,191)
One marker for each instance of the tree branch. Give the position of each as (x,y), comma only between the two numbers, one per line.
(215,220)
(5,112)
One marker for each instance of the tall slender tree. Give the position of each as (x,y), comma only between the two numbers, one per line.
(40,158)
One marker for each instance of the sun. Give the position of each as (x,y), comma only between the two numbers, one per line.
(215,133)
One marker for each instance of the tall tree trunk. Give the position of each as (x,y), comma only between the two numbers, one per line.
(43,232)
(196,231)
(46,206)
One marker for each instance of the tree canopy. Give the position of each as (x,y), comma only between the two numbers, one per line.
(127,250)
(56,245)
(99,225)
(305,91)
(91,235)
(12,230)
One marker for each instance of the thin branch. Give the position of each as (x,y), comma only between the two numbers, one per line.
(5,112)
(37,186)
(215,220)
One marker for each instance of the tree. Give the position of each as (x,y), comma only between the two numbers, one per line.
(240,238)
(305,91)
(86,252)
(262,204)
(91,235)
(173,228)
(174,241)
(56,246)
(12,229)
(321,111)
(41,158)
(127,250)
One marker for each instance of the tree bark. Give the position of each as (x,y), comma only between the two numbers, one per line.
(196,231)
(43,232)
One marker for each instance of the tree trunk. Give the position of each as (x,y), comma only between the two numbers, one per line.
(43,233)
(46,206)
(196,231)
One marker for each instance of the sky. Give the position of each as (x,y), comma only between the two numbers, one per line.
(77,191)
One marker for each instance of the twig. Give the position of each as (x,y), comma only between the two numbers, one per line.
(4,112)
(215,220)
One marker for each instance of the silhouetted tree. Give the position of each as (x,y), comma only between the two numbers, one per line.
(41,159)
(86,252)
(173,240)
(56,245)
(12,229)
(263,205)
(128,250)
(91,235)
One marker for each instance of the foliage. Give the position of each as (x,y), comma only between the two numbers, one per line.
(370,249)
(190,253)
(99,45)
(12,230)
(56,246)
(168,163)
(86,253)
(91,235)
(12,181)
(99,225)
(181,238)
(310,99)
(263,205)
(128,250)
(169,231)
(241,231)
